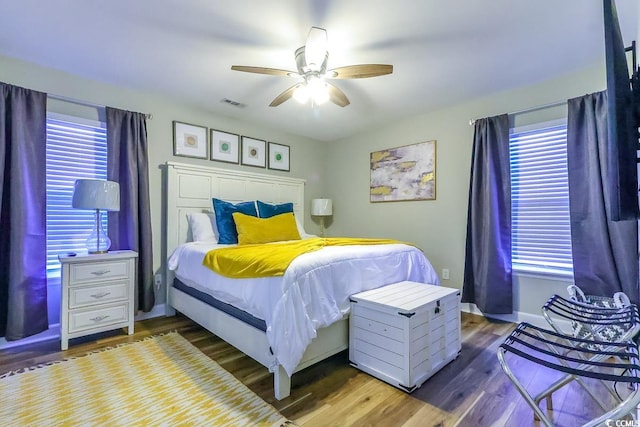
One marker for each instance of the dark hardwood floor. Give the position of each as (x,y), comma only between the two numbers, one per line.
(470,391)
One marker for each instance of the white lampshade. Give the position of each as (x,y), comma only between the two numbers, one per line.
(96,194)
(321,207)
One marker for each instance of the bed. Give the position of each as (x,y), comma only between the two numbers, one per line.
(285,323)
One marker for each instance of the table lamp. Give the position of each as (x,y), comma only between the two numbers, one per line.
(321,208)
(98,195)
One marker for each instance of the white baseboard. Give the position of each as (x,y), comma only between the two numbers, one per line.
(53,333)
(516,317)
(156,311)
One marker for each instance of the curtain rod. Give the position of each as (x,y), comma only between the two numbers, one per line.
(85,103)
(528,110)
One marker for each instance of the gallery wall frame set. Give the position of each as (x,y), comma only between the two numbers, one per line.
(279,157)
(254,152)
(191,140)
(225,146)
(403,173)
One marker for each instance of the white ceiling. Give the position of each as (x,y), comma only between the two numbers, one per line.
(443,52)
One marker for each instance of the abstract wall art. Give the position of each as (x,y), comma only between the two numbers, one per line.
(404,173)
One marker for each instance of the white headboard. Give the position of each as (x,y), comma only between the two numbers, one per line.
(190,188)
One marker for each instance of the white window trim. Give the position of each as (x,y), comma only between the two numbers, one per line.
(547,124)
(53,276)
(76,119)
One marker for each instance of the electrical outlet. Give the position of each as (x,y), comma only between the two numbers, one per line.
(158,280)
(445,274)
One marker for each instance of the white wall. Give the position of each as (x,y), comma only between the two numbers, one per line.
(307,156)
(439,226)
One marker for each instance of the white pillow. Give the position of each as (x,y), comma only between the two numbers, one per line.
(203,227)
(303,234)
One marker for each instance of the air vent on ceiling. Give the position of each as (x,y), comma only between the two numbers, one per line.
(233,103)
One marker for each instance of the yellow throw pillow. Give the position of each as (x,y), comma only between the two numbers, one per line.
(264,230)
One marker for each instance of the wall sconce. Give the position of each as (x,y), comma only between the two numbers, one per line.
(95,194)
(321,208)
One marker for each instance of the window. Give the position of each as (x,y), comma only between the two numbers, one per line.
(76,148)
(541,232)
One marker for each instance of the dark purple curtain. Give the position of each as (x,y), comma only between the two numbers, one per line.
(127,164)
(487,268)
(23,248)
(605,253)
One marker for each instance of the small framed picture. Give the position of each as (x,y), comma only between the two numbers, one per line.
(190,140)
(278,157)
(225,147)
(254,152)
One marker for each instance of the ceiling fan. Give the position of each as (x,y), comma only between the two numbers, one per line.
(311,62)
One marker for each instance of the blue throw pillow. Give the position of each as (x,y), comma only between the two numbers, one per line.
(267,210)
(224,219)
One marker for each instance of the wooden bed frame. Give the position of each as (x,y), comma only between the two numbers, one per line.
(190,188)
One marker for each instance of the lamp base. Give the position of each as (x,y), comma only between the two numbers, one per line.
(98,241)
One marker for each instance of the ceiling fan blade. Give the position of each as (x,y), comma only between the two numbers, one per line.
(315,49)
(337,96)
(359,71)
(263,70)
(284,96)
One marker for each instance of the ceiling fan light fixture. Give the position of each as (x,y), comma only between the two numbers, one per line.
(314,89)
(318,90)
(315,49)
(311,63)
(301,94)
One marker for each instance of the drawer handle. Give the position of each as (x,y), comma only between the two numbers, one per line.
(100,295)
(100,272)
(99,318)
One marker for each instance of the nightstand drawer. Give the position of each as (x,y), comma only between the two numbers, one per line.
(91,319)
(91,295)
(91,272)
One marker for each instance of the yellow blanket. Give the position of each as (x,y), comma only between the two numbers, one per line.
(267,260)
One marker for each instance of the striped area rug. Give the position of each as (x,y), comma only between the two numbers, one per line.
(159,381)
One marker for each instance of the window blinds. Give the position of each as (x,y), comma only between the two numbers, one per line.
(541,232)
(74,150)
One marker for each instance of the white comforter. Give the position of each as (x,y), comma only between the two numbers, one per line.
(313,293)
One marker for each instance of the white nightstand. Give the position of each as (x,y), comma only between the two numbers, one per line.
(97,294)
